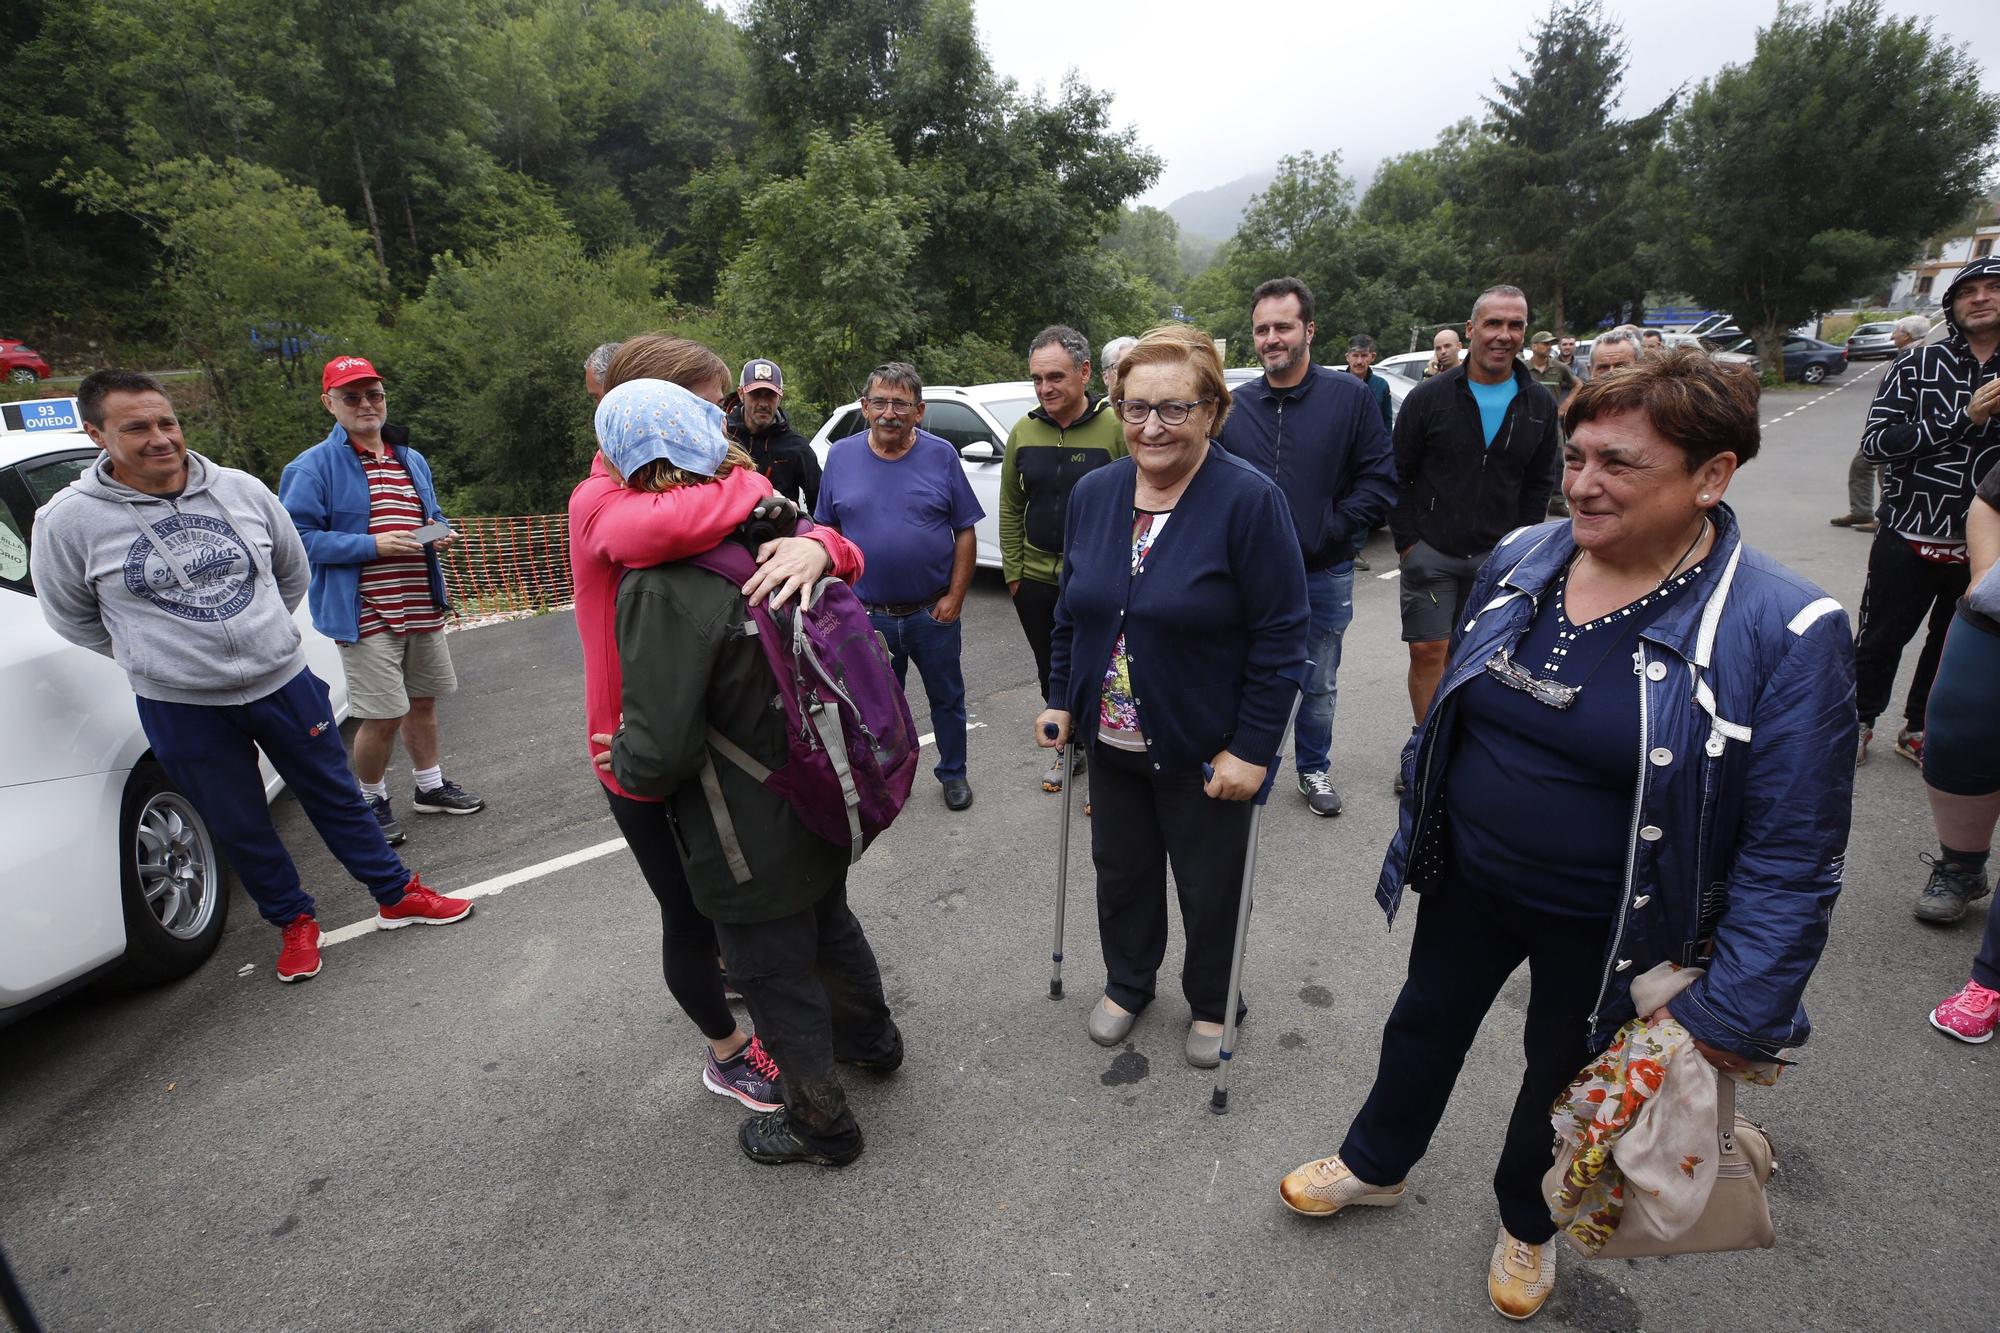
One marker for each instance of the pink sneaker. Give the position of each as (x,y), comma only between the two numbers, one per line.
(1969,1015)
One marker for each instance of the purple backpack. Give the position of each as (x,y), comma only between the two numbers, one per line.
(853,742)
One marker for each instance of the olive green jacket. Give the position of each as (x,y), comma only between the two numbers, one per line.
(689,668)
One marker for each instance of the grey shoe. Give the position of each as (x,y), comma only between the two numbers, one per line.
(1950,888)
(1052,781)
(1203,1051)
(1108,1028)
(1321,798)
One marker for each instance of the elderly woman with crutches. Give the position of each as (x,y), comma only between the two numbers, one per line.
(1180,645)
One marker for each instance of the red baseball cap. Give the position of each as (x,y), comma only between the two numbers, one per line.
(345,370)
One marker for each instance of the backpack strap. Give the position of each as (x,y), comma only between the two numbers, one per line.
(738,756)
(725,827)
(825,723)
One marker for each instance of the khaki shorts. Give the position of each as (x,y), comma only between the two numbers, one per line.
(386,671)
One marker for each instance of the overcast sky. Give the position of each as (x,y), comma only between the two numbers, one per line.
(1219,90)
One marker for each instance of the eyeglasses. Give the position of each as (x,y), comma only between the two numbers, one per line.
(890,404)
(372,397)
(1553,693)
(1134,411)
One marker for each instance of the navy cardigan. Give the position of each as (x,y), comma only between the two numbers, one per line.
(1215,626)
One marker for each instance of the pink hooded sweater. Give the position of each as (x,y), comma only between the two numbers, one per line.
(613,528)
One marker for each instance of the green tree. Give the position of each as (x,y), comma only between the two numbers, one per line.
(824,283)
(244,247)
(1149,242)
(1793,182)
(486,365)
(1554,180)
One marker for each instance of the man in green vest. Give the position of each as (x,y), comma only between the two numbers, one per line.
(1066,436)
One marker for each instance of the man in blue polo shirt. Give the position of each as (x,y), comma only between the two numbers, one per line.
(900,494)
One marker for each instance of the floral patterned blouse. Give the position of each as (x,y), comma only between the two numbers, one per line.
(1118,709)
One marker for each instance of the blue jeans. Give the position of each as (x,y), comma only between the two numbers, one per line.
(1330,595)
(210,751)
(934,648)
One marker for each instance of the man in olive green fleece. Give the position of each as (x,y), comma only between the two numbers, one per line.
(793,947)
(1048,451)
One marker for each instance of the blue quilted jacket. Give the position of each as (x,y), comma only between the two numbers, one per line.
(1742,783)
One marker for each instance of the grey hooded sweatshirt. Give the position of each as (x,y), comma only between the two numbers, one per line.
(192,595)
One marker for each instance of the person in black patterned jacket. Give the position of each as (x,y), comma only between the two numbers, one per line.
(1932,429)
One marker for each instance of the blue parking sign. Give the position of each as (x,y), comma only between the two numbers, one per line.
(41,414)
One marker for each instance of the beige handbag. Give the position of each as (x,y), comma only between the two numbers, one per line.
(1737,1216)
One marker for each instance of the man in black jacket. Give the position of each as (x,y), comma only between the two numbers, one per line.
(1319,435)
(759,424)
(1932,429)
(1476,457)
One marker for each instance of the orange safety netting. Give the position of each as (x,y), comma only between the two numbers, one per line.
(499,565)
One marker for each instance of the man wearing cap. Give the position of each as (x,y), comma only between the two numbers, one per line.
(759,424)
(357,497)
(900,494)
(187,574)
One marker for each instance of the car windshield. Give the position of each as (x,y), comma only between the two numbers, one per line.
(1876,329)
(1007,411)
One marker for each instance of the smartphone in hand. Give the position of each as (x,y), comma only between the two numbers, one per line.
(430,532)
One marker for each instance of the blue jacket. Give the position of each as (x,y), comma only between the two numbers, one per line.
(1323,442)
(1743,781)
(326,493)
(1215,626)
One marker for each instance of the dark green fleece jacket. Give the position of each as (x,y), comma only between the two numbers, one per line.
(689,666)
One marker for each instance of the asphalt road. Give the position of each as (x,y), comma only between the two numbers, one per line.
(501,1125)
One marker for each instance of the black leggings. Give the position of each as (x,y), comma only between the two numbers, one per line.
(687,938)
(1962,748)
(1904,593)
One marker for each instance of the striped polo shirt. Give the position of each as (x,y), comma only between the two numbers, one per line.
(395,590)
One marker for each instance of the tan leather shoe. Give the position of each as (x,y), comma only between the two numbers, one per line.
(1324,1187)
(1521,1276)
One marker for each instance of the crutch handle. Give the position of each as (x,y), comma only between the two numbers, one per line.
(1051,730)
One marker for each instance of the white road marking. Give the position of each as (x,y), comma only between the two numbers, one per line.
(1392,574)
(499,883)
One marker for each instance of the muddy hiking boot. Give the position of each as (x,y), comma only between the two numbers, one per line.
(1951,886)
(813,1126)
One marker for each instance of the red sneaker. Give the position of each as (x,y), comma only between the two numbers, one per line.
(1969,1015)
(298,956)
(420,907)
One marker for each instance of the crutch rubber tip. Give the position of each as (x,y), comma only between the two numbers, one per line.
(1219,1102)
(1055,988)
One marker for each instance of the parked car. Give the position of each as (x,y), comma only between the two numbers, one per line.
(975,420)
(105,866)
(1871,340)
(20,363)
(1407,366)
(1807,360)
(1399,386)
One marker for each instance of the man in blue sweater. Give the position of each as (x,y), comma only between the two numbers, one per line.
(1321,437)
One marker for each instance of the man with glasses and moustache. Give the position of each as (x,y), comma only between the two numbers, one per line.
(359,498)
(899,493)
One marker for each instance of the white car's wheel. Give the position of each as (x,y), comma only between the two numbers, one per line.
(175,889)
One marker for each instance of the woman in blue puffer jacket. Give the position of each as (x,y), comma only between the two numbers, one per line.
(1642,752)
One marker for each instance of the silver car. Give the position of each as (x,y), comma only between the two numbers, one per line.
(1871,340)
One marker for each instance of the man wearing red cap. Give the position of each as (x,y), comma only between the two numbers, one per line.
(361,499)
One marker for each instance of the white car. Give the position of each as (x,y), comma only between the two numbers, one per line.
(1399,385)
(975,420)
(104,866)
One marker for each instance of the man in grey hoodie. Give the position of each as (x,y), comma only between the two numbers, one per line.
(186,574)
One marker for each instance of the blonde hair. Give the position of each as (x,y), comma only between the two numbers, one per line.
(661,356)
(1183,347)
(662,475)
